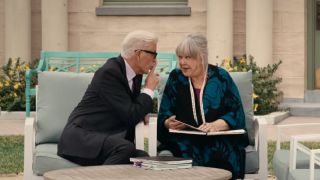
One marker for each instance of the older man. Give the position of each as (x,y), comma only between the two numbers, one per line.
(100,130)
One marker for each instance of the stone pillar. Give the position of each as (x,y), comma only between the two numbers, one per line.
(219,30)
(54,25)
(259,30)
(17,29)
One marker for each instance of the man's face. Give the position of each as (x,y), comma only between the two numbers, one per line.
(146,58)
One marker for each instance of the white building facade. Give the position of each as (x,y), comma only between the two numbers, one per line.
(270,30)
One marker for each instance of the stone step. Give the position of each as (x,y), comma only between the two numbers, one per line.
(312,96)
(303,109)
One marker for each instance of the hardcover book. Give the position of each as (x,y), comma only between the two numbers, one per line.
(161,160)
(194,130)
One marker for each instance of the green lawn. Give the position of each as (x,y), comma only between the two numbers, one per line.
(11,153)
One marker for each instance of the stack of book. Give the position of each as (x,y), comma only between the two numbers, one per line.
(162,162)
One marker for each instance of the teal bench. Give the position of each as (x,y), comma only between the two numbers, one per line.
(83,62)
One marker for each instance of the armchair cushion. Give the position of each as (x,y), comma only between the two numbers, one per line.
(243,81)
(46,159)
(58,94)
(252,160)
(299,174)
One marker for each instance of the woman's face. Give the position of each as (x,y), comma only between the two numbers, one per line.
(190,67)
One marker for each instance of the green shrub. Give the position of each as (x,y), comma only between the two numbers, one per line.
(12,85)
(266,95)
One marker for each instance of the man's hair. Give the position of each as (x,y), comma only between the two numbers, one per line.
(137,40)
(194,45)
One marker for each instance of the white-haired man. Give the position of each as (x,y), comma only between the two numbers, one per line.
(100,130)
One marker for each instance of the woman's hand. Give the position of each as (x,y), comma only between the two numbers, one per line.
(218,125)
(171,123)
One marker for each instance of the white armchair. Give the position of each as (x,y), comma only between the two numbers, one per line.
(42,133)
(281,157)
(256,152)
(314,159)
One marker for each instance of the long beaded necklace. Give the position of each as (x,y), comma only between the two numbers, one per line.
(194,111)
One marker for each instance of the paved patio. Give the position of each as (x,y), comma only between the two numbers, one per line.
(16,127)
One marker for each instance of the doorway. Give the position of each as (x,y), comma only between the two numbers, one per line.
(313,44)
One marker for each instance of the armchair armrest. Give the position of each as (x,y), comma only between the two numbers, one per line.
(280,131)
(314,159)
(152,136)
(295,145)
(261,147)
(29,146)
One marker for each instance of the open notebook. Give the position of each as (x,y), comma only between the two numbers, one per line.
(194,130)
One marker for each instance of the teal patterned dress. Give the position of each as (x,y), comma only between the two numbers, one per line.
(221,100)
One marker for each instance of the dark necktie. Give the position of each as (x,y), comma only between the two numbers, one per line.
(135,86)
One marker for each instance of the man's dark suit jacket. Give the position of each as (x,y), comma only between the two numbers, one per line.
(108,107)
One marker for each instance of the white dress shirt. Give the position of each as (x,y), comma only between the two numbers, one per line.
(130,75)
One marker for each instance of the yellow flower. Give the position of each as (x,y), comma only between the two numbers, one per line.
(242,61)
(254,96)
(82,69)
(7,83)
(1,85)
(11,73)
(26,67)
(15,94)
(226,63)
(93,65)
(255,107)
(16,86)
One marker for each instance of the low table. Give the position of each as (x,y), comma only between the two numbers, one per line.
(125,172)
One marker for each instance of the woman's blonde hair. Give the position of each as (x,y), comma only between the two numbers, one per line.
(195,46)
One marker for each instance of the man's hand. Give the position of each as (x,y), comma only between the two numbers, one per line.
(152,79)
(172,123)
(146,119)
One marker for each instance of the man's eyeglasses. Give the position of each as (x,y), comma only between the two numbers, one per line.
(150,52)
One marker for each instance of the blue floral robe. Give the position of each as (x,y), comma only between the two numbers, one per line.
(221,100)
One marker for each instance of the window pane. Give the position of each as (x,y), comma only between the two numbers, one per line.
(144,2)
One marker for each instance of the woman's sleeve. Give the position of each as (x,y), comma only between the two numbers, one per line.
(233,110)
(166,109)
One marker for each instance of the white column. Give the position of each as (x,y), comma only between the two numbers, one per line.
(54,25)
(219,30)
(17,29)
(259,29)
